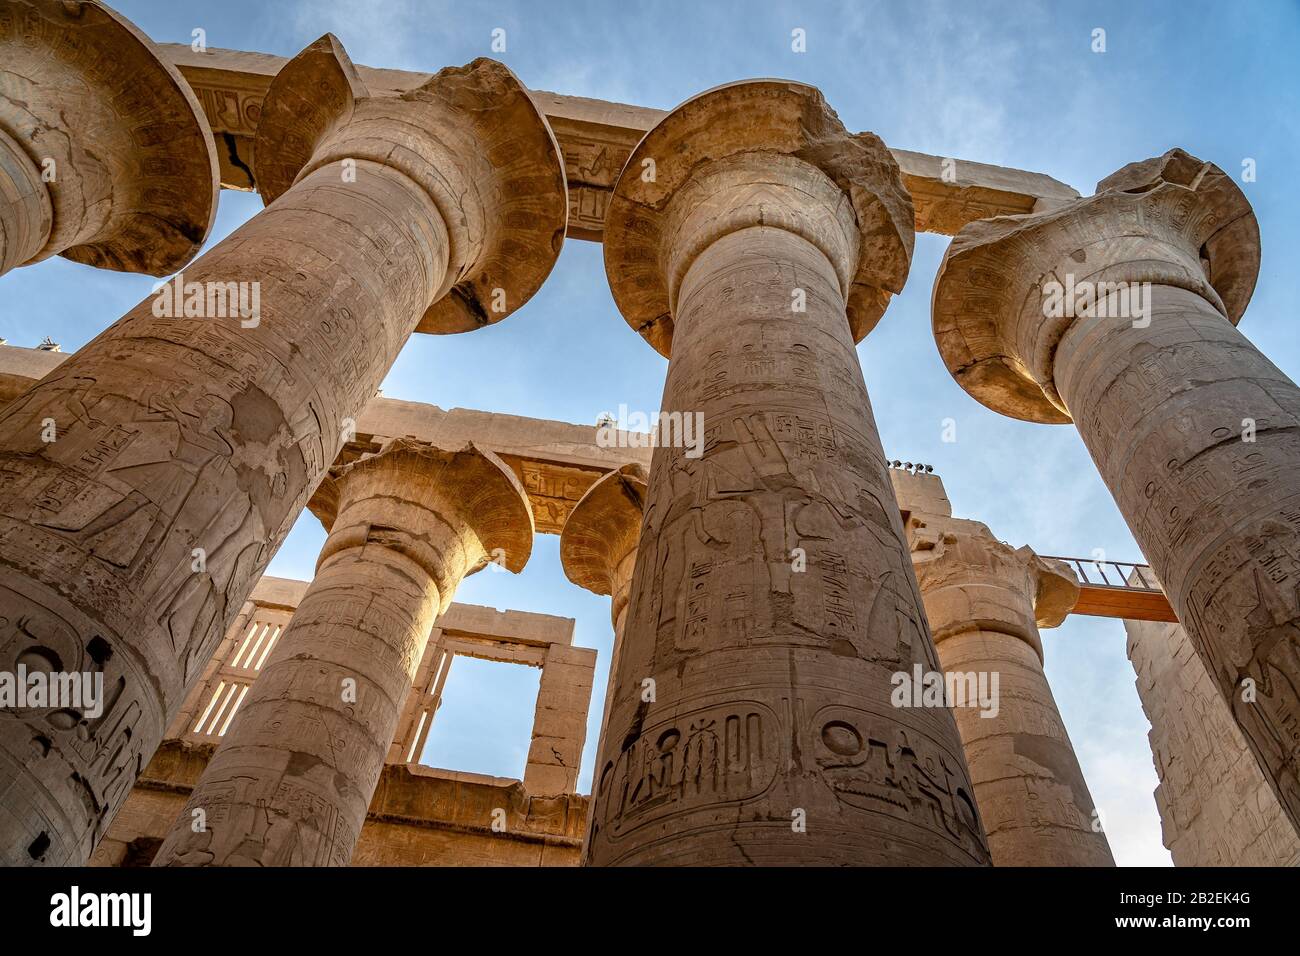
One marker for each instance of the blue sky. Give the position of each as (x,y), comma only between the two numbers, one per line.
(1014,84)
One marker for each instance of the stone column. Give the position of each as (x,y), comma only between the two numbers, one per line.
(599,541)
(105,155)
(188,446)
(598,552)
(1216,808)
(753,240)
(290,783)
(985,602)
(1119,312)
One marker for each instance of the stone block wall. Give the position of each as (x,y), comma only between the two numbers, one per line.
(420,816)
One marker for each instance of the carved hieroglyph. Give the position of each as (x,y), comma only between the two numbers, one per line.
(985,601)
(753,240)
(291,781)
(105,155)
(1195,432)
(186,447)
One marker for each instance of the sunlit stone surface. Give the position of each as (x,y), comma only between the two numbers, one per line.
(770,573)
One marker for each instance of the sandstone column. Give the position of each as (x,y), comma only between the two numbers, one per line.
(753,240)
(985,602)
(599,541)
(598,552)
(187,446)
(105,155)
(1195,432)
(1216,808)
(291,781)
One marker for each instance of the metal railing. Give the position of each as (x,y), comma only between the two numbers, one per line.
(1123,574)
(1121,589)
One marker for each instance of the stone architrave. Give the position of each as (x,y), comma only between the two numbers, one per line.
(1119,312)
(753,240)
(598,552)
(985,602)
(290,783)
(187,446)
(105,155)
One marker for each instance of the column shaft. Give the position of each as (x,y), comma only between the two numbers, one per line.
(598,551)
(1029,787)
(293,778)
(1216,806)
(620,594)
(1197,435)
(984,601)
(184,434)
(771,687)
(291,782)
(191,433)
(1118,312)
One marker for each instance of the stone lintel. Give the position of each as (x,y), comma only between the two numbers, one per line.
(509,436)
(475,620)
(596,138)
(556,462)
(519,627)
(280,593)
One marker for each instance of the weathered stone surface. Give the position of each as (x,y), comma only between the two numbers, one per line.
(1216,807)
(469,136)
(106,157)
(560,721)
(146,481)
(857,211)
(985,602)
(750,721)
(25,212)
(181,439)
(597,137)
(420,816)
(20,369)
(304,756)
(599,541)
(556,461)
(1192,231)
(598,552)
(1195,432)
